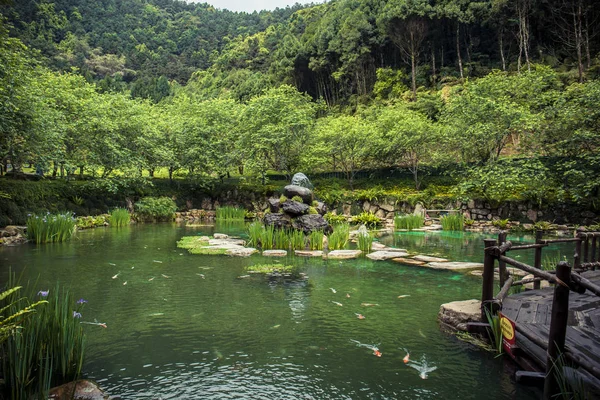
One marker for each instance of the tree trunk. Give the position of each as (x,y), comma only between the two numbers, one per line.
(413,67)
(460,65)
(151,172)
(170,174)
(433,71)
(81,171)
(578,21)
(501,41)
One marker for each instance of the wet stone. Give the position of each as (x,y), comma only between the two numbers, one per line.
(309,253)
(274,253)
(343,254)
(408,261)
(385,255)
(429,258)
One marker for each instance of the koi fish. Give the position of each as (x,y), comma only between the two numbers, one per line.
(124,283)
(337,304)
(368,304)
(156,261)
(406,358)
(423,367)
(112,264)
(201,276)
(347,295)
(102,324)
(151,279)
(422,334)
(377,353)
(333,290)
(132,267)
(275,326)
(165,276)
(373,347)
(359,316)
(243,276)
(403,296)
(115,276)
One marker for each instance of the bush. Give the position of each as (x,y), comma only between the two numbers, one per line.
(334,219)
(369,219)
(339,238)
(156,208)
(282,199)
(499,223)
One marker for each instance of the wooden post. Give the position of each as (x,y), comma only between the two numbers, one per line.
(593,255)
(537,263)
(577,257)
(558,329)
(586,247)
(501,264)
(487,289)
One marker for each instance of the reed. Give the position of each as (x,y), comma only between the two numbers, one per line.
(495,331)
(297,240)
(119,217)
(281,239)
(266,237)
(48,350)
(339,238)
(315,240)
(452,222)
(230,213)
(50,227)
(365,242)
(408,222)
(254,231)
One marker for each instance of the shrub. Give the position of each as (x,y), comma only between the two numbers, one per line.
(500,223)
(452,222)
(156,208)
(91,222)
(298,199)
(50,227)
(369,219)
(409,221)
(334,219)
(230,213)
(119,217)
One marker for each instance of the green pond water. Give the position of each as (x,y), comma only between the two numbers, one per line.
(186,326)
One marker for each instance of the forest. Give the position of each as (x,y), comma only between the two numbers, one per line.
(503,93)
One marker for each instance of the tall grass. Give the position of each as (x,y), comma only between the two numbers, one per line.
(297,240)
(495,331)
(365,242)
(281,239)
(266,237)
(48,350)
(230,213)
(255,230)
(315,240)
(50,227)
(339,238)
(409,221)
(452,222)
(119,217)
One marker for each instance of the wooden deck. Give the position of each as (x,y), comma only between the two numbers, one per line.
(531,312)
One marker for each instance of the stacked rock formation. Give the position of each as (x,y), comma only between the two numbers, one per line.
(296,214)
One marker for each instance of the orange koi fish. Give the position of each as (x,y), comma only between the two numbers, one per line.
(359,316)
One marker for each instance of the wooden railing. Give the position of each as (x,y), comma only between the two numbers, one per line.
(565,278)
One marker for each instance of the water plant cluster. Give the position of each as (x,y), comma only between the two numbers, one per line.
(268,238)
(340,236)
(452,222)
(91,221)
(270,268)
(119,217)
(230,213)
(50,228)
(408,222)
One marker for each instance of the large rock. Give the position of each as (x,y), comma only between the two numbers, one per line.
(241,252)
(385,255)
(454,265)
(408,261)
(294,190)
(274,253)
(343,254)
(321,208)
(277,220)
(274,204)
(294,208)
(457,313)
(312,222)
(309,253)
(77,390)
(299,179)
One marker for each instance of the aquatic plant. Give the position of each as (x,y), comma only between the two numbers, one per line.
(570,383)
(9,322)
(368,218)
(365,242)
(119,217)
(269,268)
(230,213)
(297,240)
(409,221)
(495,331)
(339,238)
(90,221)
(50,227)
(281,239)
(315,240)
(266,237)
(48,349)
(192,242)
(550,261)
(334,219)
(208,251)
(155,208)
(254,231)
(452,222)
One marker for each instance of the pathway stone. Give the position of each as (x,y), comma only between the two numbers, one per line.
(241,252)
(220,236)
(343,254)
(274,253)
(430,258)
(457,313)
(309,253)
(432,227)
(455,265)
(385,255)
(529,286)
(226,242)
(408,261)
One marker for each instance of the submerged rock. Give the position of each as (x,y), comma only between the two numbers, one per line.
(455,265)
(408,261)
(78,390)
(457,313)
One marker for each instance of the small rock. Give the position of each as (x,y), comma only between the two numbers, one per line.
(457,313)
(529,286)
(408,261)
(274,253)
(241,252)
(343,254)
(385,255)
(387,207)
(220,236)
(274,204)
(429,258)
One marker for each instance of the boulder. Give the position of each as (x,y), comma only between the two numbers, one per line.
(343,254)
(321,208)
(294,190)
(241,252)
(312,222)
(274,253)
(429,259)
(385,255)
(387,207)
(274,204)
(457,313)
(77,390)
(277,220)
(408,261)
(294,208)
(299,179)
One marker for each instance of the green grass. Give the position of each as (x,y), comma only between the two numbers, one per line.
(339,238)
(255,231)
(50,227)
(230,213)
(119,217)
(315,240)
(495,331)
(192,242)
(408,222)
(297,240)
(452,222)
(365,242)
(281,239)
(266,237)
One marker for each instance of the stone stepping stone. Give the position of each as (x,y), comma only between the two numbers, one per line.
(309,253)
(430,258)
(543,284)
(385,255)
(512,271)
(378,246)
(454,265)
(220,236)
(343,254)
(226,242)
(274,253)
(241,252)
(408,261)
(457,313)
(432,227)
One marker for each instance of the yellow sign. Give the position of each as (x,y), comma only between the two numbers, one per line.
(508,331)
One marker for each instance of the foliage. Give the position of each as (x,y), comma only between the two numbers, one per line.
(119,217)
(281,239)
(91,221)
(315,240)
(409,222)
(542,226)
(367,218)
(334,219)
(312,210)
(283,199)
(12,313)
(192,242)
(254,231)
(269,268)
(156,208)
(297,240)
(298,199)
(266,237)
(495,331)
(230,213)
(338,239)
(365,242)
(499,223)
(208,251)
(50,227)
(452,222)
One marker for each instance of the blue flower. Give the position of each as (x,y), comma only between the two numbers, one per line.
(43,293)
(76,314)
(81,301)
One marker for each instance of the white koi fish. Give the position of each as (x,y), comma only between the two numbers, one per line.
(423,367)
(372,347)
(115,276)
(333,290)
(337,303)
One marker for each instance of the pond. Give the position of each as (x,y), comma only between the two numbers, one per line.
(185,326)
